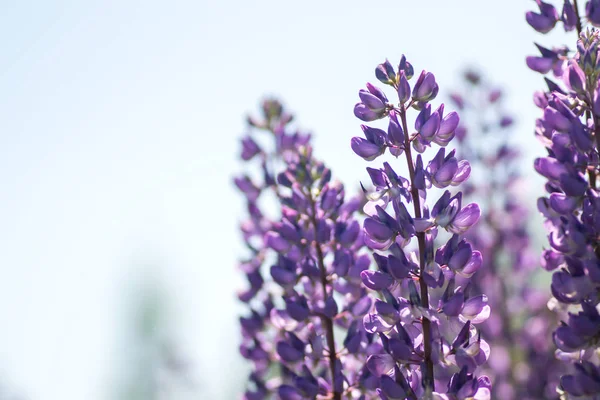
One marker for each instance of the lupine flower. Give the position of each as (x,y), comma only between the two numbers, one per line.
(423,322)
(569,131)
(254,347)
(523,366)
(303,333)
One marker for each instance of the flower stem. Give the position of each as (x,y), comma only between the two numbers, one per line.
(579,27)
(428,382)
(327,322)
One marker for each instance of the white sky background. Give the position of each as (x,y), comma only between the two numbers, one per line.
(119,128)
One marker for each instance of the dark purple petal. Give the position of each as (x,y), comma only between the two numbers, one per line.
(287,392)
(380,364)
(376,280)
(371,101)
(391,388)
(542,65)
(365,149)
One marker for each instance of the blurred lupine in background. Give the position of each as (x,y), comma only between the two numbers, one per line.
(569,130)
(304,331)
(523,365)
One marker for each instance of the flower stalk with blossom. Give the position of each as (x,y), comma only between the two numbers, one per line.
(304,333)
(424,320)
(523,366)
(570,132)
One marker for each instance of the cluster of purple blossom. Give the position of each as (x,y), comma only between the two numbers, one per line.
(311,251)
(569,130)
(399,293)
(516,334)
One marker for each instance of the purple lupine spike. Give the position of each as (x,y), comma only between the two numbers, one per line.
(314,267)
(570,135)
(506,270)
(416,359)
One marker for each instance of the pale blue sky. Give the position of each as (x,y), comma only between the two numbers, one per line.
(119,128)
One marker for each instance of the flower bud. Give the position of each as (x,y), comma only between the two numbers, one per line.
(406,67)
(385,73)
(426,88)
(576,78)
(362,112)
(403,88)
(568,16)
(372,102)
(395,133)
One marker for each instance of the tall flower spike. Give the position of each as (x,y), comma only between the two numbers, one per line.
(425,325)
(507,268)
(570,131)
(303,332)
(255,345)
